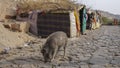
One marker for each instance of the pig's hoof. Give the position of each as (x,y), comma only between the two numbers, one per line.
(52,60)
(63,58)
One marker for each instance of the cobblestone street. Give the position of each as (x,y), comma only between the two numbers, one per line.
(100,48)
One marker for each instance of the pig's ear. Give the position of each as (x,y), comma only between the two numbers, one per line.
(45,50)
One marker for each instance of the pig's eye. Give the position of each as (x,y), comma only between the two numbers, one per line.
(47,56)
(43,51)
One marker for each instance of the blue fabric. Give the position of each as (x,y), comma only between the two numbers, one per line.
(84,20)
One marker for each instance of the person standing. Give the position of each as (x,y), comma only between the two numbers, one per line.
(83,20)
(89,21)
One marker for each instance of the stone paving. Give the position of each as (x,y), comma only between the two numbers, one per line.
(100,48)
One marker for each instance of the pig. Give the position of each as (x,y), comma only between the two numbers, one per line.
(52,45)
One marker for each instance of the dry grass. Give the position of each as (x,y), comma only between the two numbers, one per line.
(46,4)
(7,7)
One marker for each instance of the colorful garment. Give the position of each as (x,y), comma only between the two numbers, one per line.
(84,21)
(77,21)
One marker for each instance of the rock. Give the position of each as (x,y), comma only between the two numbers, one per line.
(6,26)
(28,66)
(98,61)
(116,60)
(15,27)
(97,66)
(87,55)
(5,51)
(24,27)
(84,66)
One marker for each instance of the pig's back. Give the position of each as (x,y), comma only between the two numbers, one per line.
(58,38)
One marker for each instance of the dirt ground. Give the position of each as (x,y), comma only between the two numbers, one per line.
(10,39)
(100,48)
